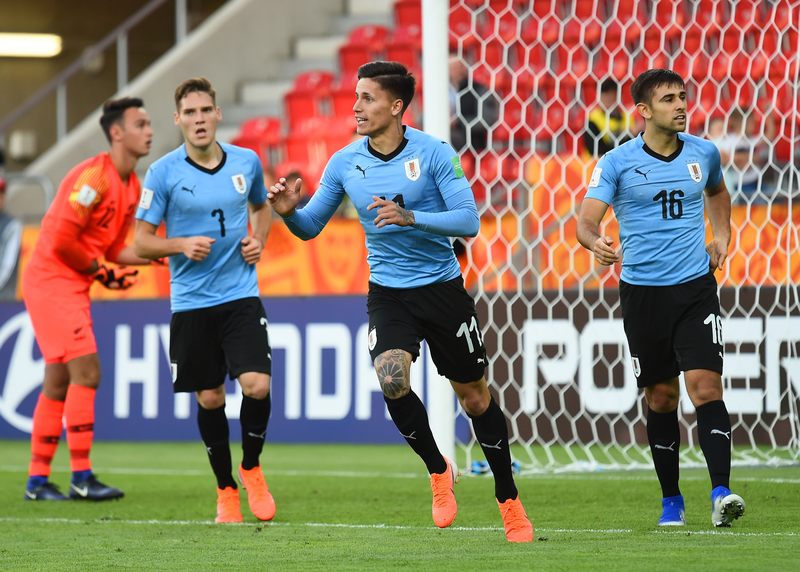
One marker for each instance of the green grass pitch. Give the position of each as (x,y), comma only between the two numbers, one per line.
(352,507)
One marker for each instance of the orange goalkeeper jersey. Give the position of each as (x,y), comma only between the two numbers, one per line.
(93,196)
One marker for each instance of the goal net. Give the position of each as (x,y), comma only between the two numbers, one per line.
(559,361)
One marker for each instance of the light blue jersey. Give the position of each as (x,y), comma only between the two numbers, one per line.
(423,175)
(195,201)
(658,202)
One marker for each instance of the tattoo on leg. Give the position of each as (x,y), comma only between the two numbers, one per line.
(393,373)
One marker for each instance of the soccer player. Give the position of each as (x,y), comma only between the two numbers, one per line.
(658,185)
(411,195)
(204,191)
(88,221)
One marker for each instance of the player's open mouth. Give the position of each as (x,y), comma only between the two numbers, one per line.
(360,120)
(680,118)
(200,132)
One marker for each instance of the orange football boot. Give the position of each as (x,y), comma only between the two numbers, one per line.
(228,505)
(258,496)
(444,501)
(518,526)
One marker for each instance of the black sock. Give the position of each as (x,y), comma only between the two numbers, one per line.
(214,431)
(411,419)
(664,435)
(492,433)
(254,417)
(714,434)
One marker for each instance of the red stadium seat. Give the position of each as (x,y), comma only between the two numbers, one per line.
(461,28)
(352,57)
(261,134)
(342,100)
(407,13)
(408,53)
(300,105)
(370,35)
(316,80)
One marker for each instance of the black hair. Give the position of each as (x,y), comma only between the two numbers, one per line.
(393,77)
(645,85)
(114,109)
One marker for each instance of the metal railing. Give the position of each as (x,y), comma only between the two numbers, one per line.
(118,36)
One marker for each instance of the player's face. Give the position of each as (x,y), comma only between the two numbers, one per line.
(135,134)
(375,109)
(198,118)
(667,109)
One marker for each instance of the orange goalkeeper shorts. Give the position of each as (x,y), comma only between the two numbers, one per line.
(59,312)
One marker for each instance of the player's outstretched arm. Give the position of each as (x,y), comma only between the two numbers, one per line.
(283,198)
(588,233)
(148,245)
(718,206)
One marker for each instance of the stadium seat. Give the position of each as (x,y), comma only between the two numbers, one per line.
(352,57)
(407,13)
(316,80)
(299,106)
(405,46)
(372,36)
(261,134)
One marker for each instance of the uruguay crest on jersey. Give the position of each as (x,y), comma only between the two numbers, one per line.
(240,184)
(412,169)
(695,172)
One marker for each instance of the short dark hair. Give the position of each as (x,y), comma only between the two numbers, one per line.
(609,85)
(393,77)
(114,110)
(645,85)
(195,84)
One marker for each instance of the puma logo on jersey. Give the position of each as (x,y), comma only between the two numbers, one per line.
(638,172)
(188,190)
(670,448)
(481,360)
(363,171)
(718,432)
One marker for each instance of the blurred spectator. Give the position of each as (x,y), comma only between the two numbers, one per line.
(473,109)
(744,155)
(609,125)
(10,240)
(716,128)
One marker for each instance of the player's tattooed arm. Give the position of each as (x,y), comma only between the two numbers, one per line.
(393,369)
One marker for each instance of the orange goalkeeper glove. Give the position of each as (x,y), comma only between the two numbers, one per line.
(119,278)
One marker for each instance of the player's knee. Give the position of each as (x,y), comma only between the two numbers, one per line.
(211,399)
(663,400)
(475,404)
(255,385)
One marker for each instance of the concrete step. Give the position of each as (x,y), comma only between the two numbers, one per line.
(263,92)
(343,24)
(318,47)
(369,6)
(234,115)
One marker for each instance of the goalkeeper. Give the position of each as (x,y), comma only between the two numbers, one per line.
(88,220)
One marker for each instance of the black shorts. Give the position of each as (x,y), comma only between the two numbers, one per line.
(672,328)
(442,314)
(207,343)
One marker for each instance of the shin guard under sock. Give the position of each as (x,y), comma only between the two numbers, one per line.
(79,418)
(714,434)
(47,426)
(254,417)
(664,436)
(492,434)
(213,424)
(411,419)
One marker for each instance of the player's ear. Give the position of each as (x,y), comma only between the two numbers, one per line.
(644,110)
(397,107)
(116,132)
(177,116)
